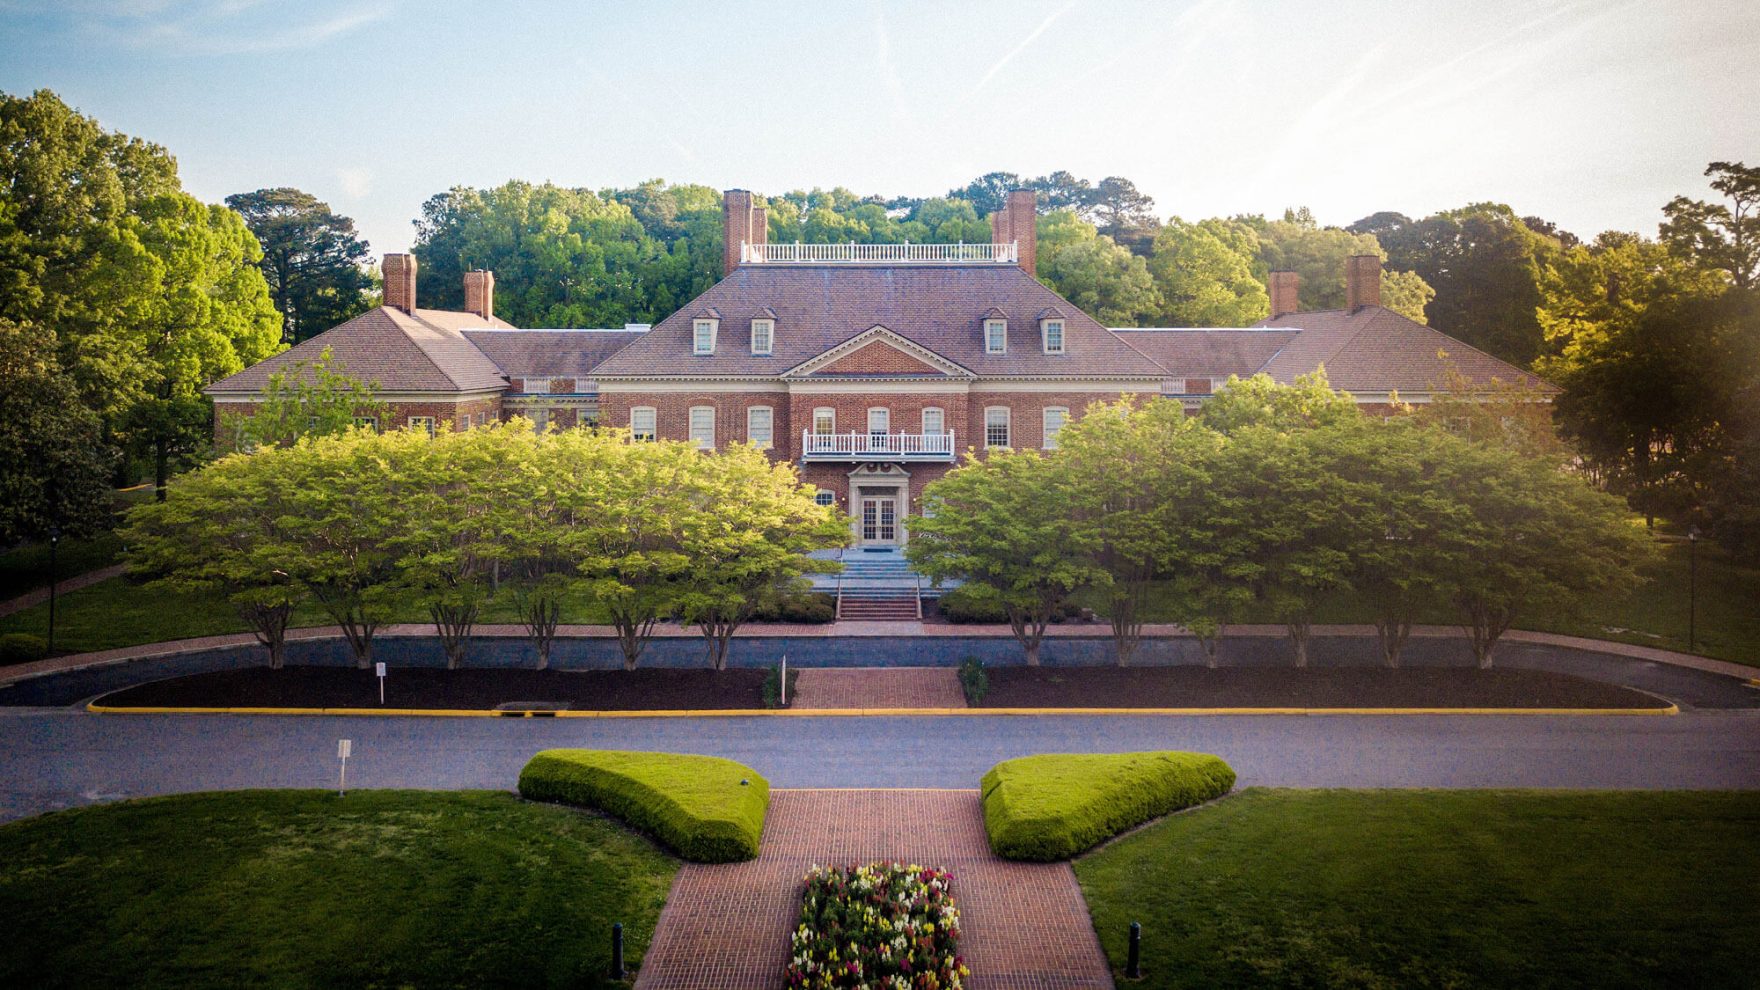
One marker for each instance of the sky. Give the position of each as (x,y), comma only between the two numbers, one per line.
(1590,114)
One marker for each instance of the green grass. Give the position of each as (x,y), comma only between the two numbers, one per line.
(1373,889)
(305,889)
(704,808)
(1055,805)
(121,612)
(1728,624)
(26,567)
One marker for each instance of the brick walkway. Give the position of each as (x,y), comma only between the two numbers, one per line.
(62,587)
(878,687)
(726,927)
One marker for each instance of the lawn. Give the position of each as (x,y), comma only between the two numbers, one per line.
(1279,888)
(302,888)
(122,612)
(25,567)
(1728,625)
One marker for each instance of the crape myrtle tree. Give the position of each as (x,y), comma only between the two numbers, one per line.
(539,469)
(222,531)
(746,538)
(1002,521)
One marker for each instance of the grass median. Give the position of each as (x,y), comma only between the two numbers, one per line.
(1278,888)
(303,888)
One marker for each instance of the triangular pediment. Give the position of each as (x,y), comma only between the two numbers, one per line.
(879,352)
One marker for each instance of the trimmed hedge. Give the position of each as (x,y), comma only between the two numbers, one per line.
(693,805)
(1053,806)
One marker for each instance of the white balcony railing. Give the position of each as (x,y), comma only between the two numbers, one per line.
(860,254)
(878,446)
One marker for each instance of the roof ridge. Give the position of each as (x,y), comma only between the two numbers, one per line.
(1146,355)
(428,355)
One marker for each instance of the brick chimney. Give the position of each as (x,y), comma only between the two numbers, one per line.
(479,294)
(736,226)
(1018,221)
(1286,290)
(1362,281)
(399,272)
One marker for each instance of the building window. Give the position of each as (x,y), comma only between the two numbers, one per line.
(1053,332)
(934,421)
(703,427)
(370,422)
(540,419)
(422,423)
(464,422)
(1055,417)
(995,336)
(996,433)
(641,423)
(879,421)
(763,336)
(703,337)
(825,497)
(824,421)
(760,426)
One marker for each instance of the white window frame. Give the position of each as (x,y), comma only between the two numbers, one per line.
(940,415)
(1000,344)
(697,342)
(1048,435)
(885,415)
(830,413)
(825,497)
(370,422)
(768,439)
(423,421)
(769,328)
(1007,427)
(703,443)
(636,413)
(464,423)
(1062,335)
(540,419)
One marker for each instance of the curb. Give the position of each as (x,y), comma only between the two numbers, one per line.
(871,712)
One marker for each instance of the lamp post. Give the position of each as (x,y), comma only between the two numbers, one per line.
(1692,588)
(54,539)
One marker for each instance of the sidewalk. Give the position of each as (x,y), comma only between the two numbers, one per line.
(62,587)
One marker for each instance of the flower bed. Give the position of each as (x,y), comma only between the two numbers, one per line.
(884,925)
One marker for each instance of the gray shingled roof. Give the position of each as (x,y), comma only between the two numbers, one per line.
(1208,352)
(1375,349)
(565,353)
(939,307)
(400,352)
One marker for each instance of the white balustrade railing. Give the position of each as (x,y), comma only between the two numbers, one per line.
(853,253)
(875,446)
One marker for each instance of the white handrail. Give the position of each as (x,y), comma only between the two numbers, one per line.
(877,445)
(853,253)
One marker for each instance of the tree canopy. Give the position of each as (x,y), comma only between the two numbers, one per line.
(315,264)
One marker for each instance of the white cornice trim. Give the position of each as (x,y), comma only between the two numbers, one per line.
(221,398)
(692,385)
(871,386)
(1138,386)
(880,334)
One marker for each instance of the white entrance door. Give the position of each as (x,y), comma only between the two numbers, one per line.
(879,520)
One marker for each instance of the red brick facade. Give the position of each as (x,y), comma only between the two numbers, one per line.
(877,358)
(227,416)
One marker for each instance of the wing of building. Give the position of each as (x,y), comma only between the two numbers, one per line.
(872,367)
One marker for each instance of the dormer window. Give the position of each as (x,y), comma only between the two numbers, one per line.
(763,336)
(995,336)
(1052,332)
(703,336)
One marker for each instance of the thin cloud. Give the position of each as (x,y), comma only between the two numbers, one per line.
(1001,63)
(223,27)
(356,181)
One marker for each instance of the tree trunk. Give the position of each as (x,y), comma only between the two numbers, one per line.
(1127,621)
(1485,625)
(1029,630)
(632,634)
(453,625)
(1300,630)
(1394,631)
(541,614)
(269,624)
(348,613)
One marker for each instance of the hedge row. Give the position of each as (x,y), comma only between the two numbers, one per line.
(1053,806)
(704,808)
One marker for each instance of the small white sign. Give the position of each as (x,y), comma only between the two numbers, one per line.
(379,668)
(344,748)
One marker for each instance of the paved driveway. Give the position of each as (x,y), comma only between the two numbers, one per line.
(60,758)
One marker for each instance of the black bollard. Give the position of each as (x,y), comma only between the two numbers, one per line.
(1133,967)
(617,970)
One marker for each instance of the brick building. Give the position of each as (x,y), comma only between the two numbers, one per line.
(871,367)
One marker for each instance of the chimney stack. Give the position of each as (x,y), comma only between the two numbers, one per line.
(736,227)
(1286,290)
(479,294)
(399,272)
(1017,221)
(1362,281)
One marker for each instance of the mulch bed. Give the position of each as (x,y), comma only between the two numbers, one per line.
(1290,687)
(476,688)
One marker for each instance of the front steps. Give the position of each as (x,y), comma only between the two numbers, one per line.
(877,586)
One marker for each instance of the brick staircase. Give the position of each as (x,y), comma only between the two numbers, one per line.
(877,586)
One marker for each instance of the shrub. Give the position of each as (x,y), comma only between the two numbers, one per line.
(880,925)
(973,680)
(1053,806)
(22,648)
(813,607)
(979,603)
(706,809)
(773,686)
